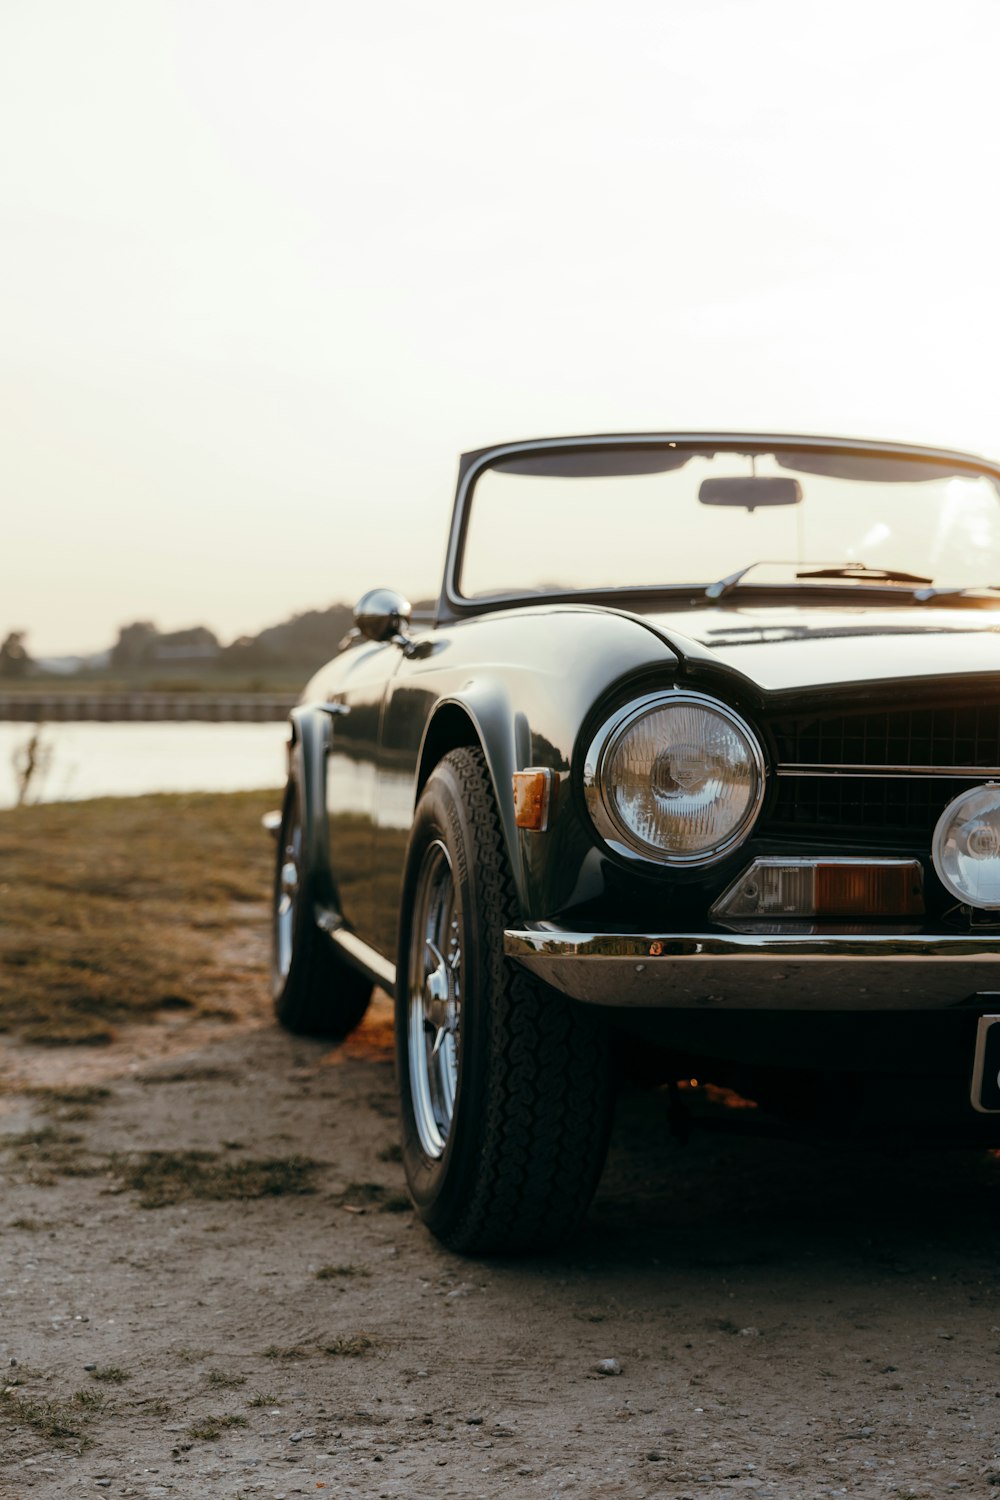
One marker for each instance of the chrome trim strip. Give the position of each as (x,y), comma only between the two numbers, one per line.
(550,942)
(936,773)
(361,956)
(763,971)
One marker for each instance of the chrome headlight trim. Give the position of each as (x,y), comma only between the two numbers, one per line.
(944,827)
(617,835)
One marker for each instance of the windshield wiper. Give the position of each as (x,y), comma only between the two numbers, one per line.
(865,574)
(723,586)
(861,571)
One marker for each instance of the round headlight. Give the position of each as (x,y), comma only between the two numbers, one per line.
(966,847)
(676,778)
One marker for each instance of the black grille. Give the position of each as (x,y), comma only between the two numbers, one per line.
(940,737)
(853,808)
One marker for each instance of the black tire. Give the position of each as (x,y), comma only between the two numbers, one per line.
(521,1156)
(316,992)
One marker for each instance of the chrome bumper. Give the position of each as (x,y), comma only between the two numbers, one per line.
(764,971)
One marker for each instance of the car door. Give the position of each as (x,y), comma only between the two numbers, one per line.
(352,791)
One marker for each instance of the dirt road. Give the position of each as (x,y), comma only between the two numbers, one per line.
(787,1323)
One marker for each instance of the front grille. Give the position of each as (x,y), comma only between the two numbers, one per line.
(848,809)
(940,737)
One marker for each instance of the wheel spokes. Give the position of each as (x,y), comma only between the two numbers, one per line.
(435,1001)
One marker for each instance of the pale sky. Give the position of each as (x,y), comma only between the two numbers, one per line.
(269,266)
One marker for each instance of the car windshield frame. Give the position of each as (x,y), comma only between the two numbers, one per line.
(453,604)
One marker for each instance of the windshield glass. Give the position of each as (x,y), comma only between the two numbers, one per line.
(657,515)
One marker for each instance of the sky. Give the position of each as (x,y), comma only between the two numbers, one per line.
(269,266)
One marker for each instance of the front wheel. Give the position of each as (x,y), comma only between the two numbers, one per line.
(316,992)
(504,1084)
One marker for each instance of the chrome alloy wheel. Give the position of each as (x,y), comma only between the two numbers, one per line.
(286,895)
(435,1001)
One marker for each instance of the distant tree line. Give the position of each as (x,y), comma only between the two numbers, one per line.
(300,645)
(305,642)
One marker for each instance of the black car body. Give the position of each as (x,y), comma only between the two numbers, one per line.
(830,733)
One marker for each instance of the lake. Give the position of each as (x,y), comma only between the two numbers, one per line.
(127,760)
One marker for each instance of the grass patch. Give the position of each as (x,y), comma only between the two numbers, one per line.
(353,1346)
(348,1346)
(111,1374)
(333,1273)
(98,905)
(222,1381)
(60,1101)
(263,1399)
(210,1428)
(89,1400)
(289,1353)
(193,1074)
(56,1421)
(164,1177)
(43,1156)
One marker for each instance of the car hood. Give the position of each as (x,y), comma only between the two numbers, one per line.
(782,647)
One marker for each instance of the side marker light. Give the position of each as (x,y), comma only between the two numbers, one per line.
(534,798)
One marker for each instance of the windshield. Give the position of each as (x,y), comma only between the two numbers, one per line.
(654,515)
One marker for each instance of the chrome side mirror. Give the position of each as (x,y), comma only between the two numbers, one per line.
(383,615)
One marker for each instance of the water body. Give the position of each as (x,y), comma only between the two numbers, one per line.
(128,760)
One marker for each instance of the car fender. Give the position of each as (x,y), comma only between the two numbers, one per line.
(307,766)
(526,705)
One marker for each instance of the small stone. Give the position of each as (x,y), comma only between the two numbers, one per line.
(654,1456)
(13,1363)
(608,1367)
(103,1484)
(304,1432)
(86,1367)
(474,1421)
(749,1333)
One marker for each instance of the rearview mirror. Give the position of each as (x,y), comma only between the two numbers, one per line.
(381,614)
(750,490)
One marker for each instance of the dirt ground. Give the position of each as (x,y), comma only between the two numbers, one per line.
(786,1322)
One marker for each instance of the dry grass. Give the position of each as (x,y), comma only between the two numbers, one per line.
(111,1375)
(336,1273)
(57,1422)
(352,1346)
(43,1156)
(348,1346)
(210,1428)
(164,1177)
(113,908)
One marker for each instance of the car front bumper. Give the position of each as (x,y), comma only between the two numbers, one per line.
(765,971)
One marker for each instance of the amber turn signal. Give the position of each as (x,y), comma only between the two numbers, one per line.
(835,887)
(534,798)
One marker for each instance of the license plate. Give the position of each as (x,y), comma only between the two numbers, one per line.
(986,1068)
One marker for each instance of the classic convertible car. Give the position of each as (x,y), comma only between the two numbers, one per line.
(700,745)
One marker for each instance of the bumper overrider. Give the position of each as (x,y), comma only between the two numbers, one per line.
(827,971)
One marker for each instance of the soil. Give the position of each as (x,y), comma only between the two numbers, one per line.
(787,1322)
